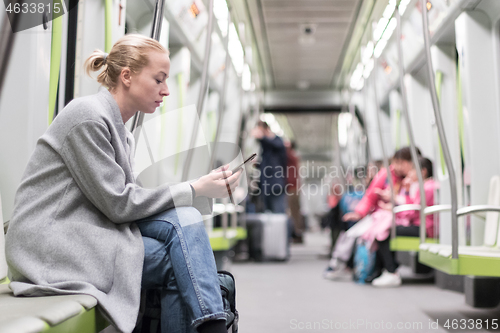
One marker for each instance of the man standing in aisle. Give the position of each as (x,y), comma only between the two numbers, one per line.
(272,168)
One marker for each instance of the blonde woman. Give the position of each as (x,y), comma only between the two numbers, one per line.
(82,225)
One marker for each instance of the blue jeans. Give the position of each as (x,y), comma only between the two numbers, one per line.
(275,203)
(178,260)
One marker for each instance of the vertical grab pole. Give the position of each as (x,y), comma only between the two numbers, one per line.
(442,135)
(222,100)
(384,155)
(203,89)
(7,42)
(155,34)
(413,149)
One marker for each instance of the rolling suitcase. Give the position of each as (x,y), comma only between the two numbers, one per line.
(268,236)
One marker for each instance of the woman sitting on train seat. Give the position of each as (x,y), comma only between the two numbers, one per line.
(400,165)
(407,222)
(82,224)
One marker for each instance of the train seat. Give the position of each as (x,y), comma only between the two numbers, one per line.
(481,260)
(64,313)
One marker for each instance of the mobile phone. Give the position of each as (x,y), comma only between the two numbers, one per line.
(241,165)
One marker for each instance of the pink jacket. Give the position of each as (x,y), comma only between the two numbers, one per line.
(412,217)
(370,199)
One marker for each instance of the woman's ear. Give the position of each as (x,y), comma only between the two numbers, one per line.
(126,77)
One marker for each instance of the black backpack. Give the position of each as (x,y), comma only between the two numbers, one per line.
(150,313)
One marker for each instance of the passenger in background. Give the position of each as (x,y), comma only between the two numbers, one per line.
(400,165)
(407,222)
(292,191)
(272,168)
(81,223)
(333,219)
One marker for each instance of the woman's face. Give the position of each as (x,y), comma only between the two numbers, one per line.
(148,87)
(402,167)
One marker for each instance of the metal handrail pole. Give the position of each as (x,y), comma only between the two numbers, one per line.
(203,89)
(7,44)
(222,100)
(155,34)
(413,149)
(442,135)
(384,154)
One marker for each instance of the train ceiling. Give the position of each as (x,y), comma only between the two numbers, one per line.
(302,42)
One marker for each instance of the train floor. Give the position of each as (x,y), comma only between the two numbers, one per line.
(278,297)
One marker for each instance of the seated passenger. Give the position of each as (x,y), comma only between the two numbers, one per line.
(81,224)
(400,166)
(407,222)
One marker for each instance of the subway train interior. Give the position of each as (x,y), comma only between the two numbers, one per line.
(331,96)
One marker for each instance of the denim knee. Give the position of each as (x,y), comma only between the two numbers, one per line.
(188,215)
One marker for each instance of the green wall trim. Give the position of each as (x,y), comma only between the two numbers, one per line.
(464,265)
(461,128)
(398,129)
(180,100)
(90,321)
(55,63)
(108,25)
(439,82)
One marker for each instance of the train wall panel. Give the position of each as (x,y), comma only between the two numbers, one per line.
(476,56)
(444,62)
(24,108)
(91,36)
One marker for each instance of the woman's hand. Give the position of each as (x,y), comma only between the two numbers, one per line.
(217,182)
(385,195)
(406,183)
(384,205)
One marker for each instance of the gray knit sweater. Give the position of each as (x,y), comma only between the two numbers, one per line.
(72,228)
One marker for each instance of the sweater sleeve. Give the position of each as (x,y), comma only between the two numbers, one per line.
(89,155)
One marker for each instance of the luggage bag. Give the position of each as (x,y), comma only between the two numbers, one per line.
(268,236)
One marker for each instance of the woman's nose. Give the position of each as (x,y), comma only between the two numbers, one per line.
(165,91)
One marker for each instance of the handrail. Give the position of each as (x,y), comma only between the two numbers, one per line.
(155,34)
(7,43)
(203,89)
(222,98)
(437,209)
(476,209)
(384,155)
(413,149)
(442,136)
(406,208)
